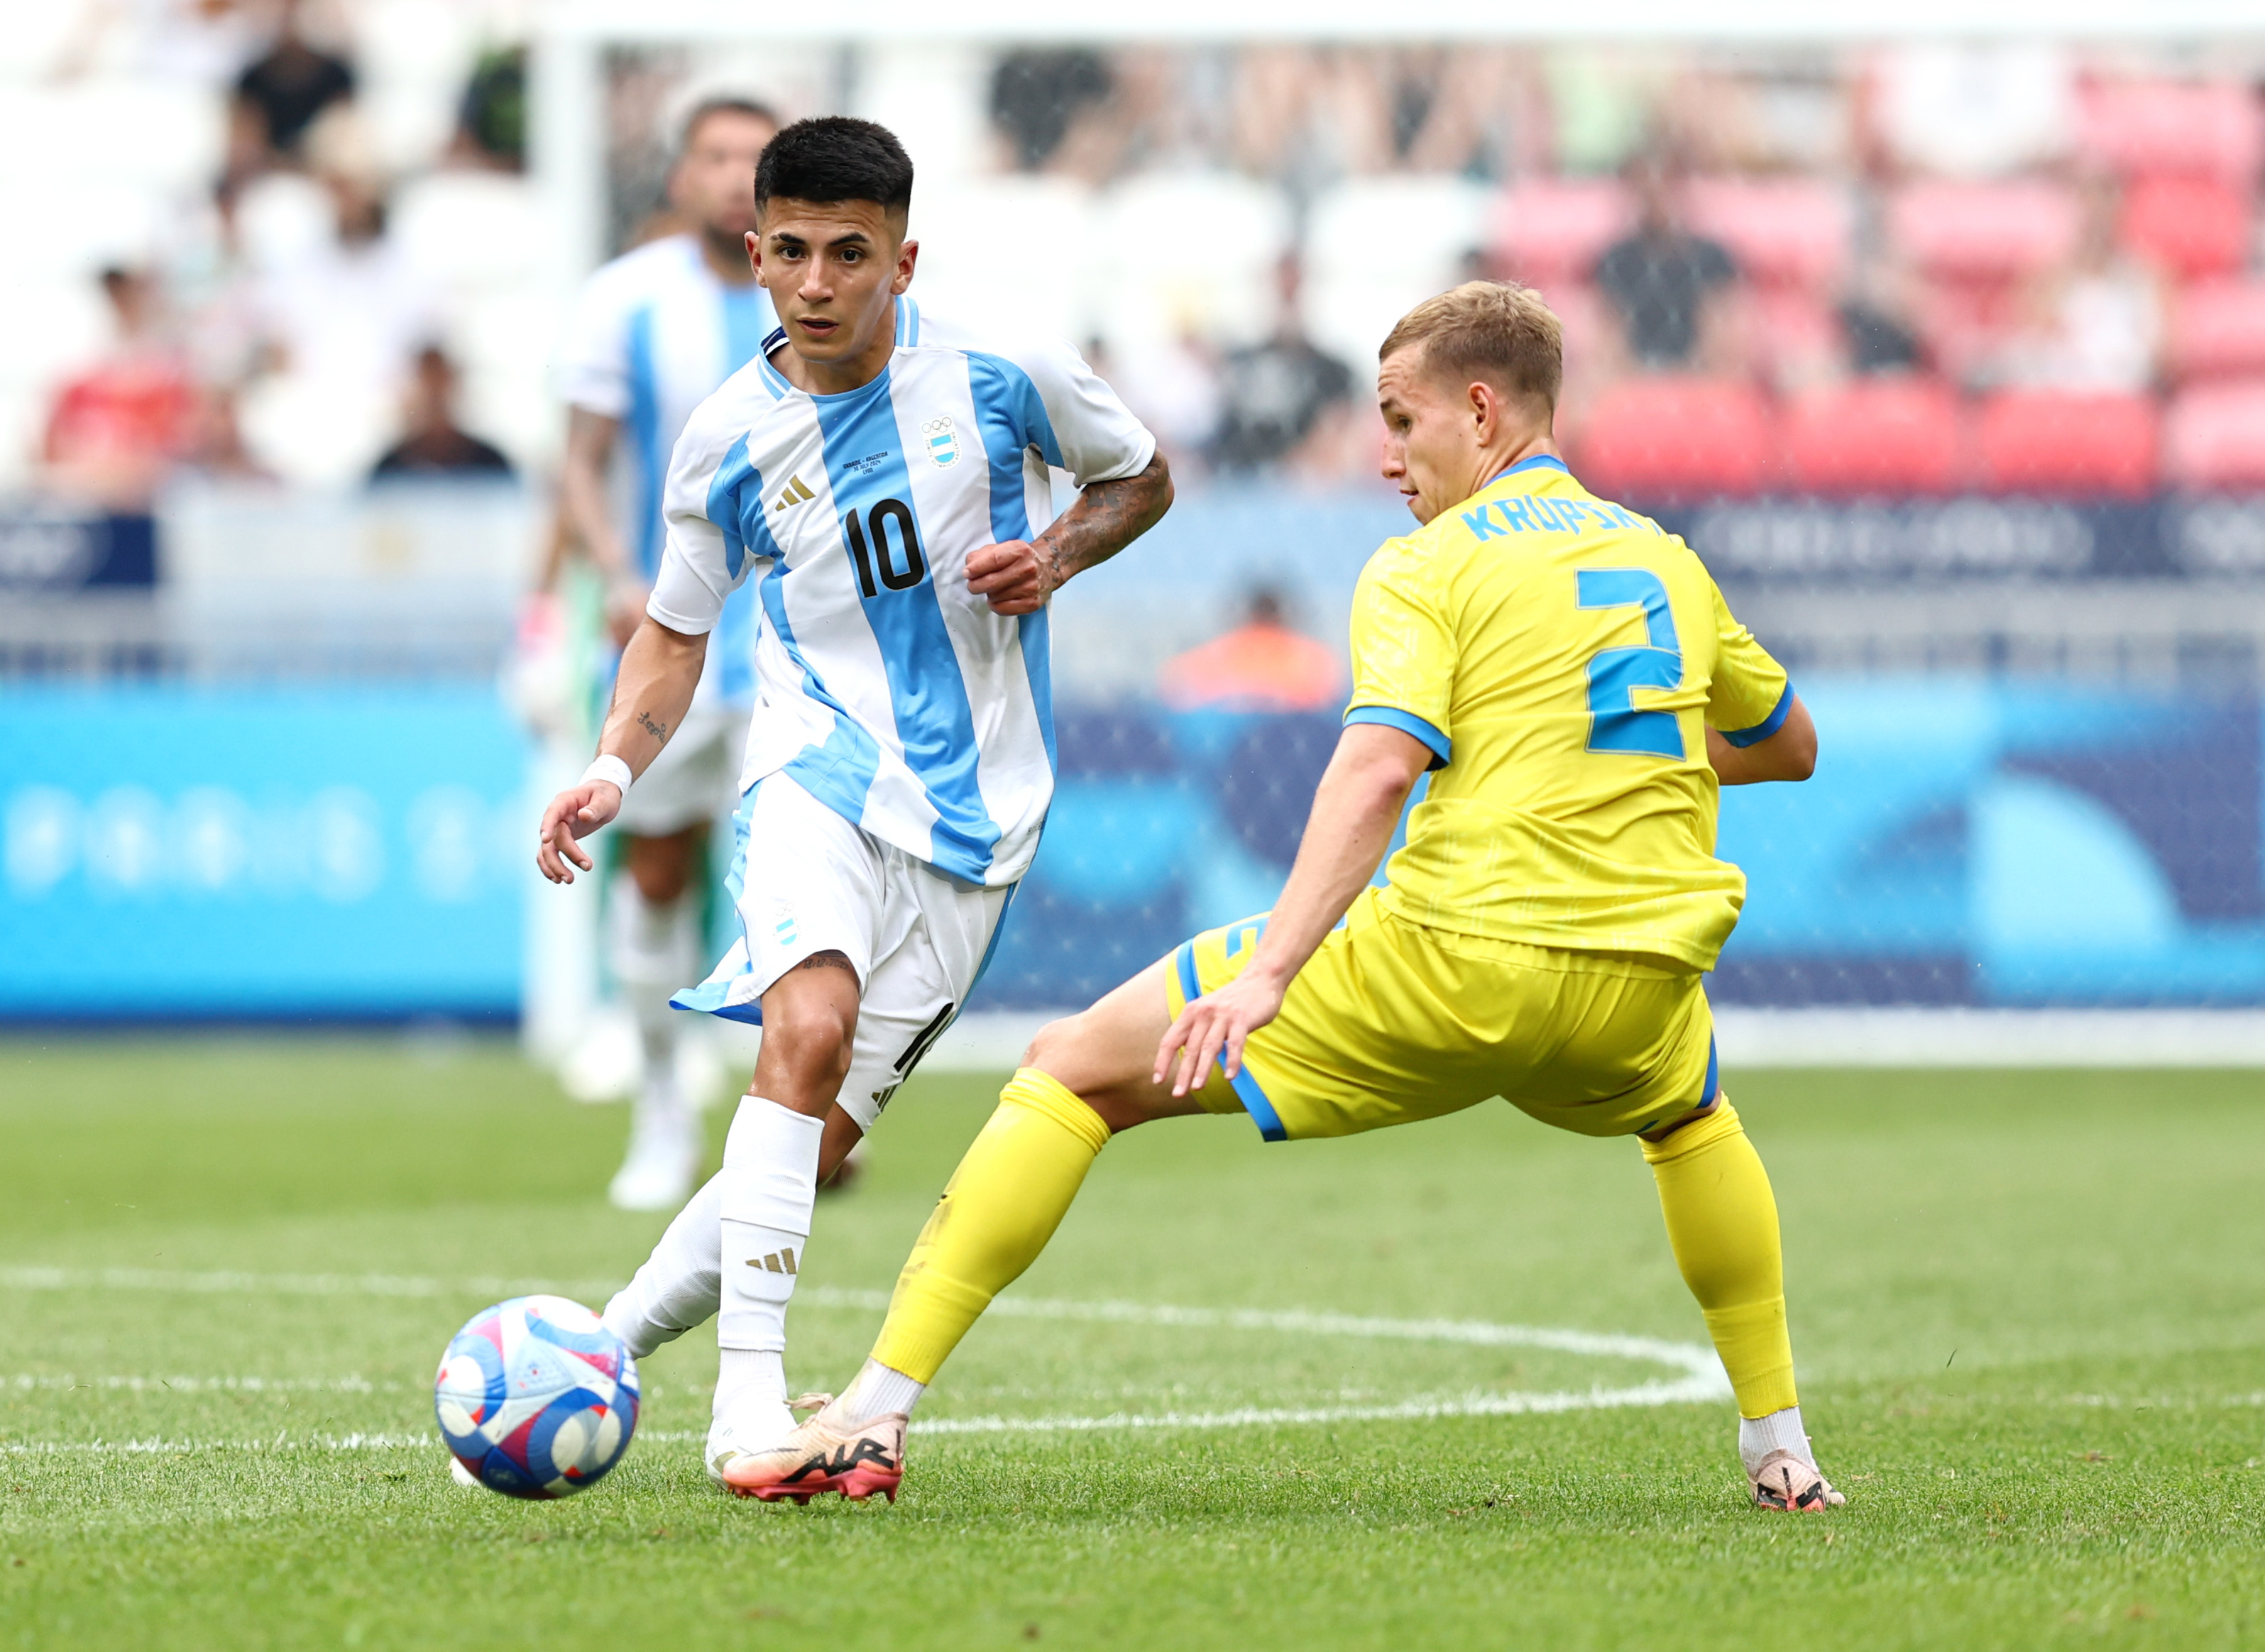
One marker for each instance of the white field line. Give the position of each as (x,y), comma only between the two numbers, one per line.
(227,1283)
(1294,1322)
(29,1381)
(1702,1378)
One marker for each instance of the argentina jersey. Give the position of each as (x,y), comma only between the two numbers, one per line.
(653,334)
(886,688)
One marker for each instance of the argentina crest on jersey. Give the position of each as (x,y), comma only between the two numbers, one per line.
(942,440)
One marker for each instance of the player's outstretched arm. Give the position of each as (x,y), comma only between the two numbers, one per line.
(1355,808)
(1018,576)
(1789,754)
(586,504)
(660,668)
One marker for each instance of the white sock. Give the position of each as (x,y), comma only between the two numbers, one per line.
(877,1391)
(748,1376)
(676,1288)
(769,1182)
(1779,1431)
(654,953)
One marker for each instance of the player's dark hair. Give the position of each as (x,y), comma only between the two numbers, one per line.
(1495,331)
(723,103)
(835,157)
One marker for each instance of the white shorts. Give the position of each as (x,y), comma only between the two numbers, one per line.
(694,778)
(806,881)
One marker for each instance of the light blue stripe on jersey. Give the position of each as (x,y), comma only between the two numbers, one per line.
(724,494)
(908,324)
(1012,416)
(648,452)
(746,317)
(774,381)
(838,772)
(927,697)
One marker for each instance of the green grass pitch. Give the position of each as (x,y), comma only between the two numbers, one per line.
(2029,1311)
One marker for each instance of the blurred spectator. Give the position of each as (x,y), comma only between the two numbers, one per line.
(1281,395)
(2094,325)
(1037,96)
(1602,102)
(1975,109)
(1173,387)
(117,429)
(1876,322)
(491,121)
(202,43)
(290,84)
(1668,284)
(337,324)
(1260,666)
(435,445)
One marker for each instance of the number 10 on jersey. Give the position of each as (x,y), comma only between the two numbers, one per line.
(877,523)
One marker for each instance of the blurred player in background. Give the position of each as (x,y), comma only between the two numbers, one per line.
(654,333)
(1577,681)
(879,476)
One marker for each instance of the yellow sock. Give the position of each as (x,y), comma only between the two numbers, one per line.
(1001,1206)
(1722,1222)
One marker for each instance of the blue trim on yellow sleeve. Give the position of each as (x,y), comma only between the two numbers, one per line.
(1766,727)
(1442,748)
(1714,1073)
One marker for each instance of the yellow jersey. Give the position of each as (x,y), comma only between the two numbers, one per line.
(1562,658)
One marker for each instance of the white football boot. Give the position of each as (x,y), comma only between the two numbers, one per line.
(663,1156)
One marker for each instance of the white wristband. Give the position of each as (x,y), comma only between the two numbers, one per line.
(611,770)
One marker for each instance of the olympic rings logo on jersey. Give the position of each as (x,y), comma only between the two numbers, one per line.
(943,441)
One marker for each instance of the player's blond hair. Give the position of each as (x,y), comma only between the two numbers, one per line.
(1496,331)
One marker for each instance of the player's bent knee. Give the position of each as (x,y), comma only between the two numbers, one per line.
(1056,1041)
(812,1041)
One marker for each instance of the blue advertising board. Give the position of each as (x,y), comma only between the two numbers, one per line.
(172,853)
(167,852)
(1964,842)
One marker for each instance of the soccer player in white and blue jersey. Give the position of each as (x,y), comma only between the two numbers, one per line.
(880,478)
(652,335)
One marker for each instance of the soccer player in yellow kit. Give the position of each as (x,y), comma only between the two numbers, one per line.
(1576,684)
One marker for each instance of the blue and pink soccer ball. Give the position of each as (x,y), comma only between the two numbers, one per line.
(536,1398)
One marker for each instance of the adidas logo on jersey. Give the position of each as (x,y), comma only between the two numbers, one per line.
(777,1262)
(796,492)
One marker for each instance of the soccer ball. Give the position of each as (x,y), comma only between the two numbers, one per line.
(536,1397)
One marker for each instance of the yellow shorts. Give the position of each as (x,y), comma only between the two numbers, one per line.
(1391,1021)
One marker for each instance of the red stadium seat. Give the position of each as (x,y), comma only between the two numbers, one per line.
(2190,226)
(2219,328)
(1548,232)
(2067,443)
(1874,437)
(2214,436)
(1677,439)
(1983,232)
(1791,232)
(2158,127)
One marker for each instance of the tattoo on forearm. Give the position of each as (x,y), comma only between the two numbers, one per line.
(1107,517)
(659,730)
